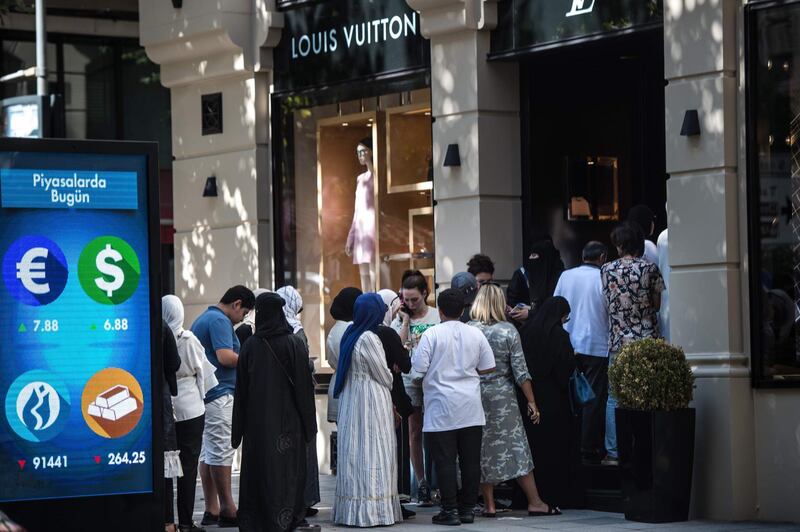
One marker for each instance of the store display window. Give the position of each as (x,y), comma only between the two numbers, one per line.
(773,113)
(354,196)
(592,188)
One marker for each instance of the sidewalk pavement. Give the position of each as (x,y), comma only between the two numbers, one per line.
(571,520)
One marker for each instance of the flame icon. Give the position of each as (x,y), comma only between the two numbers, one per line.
(38,406)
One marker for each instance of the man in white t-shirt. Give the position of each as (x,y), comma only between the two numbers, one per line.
(452,356)
(582,287)
(663,265)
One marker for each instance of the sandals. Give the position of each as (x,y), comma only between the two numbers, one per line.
(551,510)
(488,514)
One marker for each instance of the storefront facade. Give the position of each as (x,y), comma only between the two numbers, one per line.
(100,80)
(285,166)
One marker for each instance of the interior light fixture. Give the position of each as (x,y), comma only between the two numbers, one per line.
(452,157)
(210,190)
(345,124)
(691,124)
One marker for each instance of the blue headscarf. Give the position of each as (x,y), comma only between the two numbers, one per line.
(368,313)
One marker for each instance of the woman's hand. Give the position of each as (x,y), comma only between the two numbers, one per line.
(519,314)
(397,418)
(533,412)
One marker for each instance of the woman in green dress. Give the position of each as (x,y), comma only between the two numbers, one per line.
(505,453)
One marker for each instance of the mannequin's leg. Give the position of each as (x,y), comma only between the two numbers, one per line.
(367,273)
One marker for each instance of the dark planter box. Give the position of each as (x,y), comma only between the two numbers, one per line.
(656,454)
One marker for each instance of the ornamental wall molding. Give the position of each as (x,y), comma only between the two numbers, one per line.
(208,39)
(443,17)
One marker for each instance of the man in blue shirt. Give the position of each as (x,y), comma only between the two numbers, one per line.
(582,287)
(214,329)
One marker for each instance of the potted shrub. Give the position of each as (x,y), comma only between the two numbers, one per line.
(653,384)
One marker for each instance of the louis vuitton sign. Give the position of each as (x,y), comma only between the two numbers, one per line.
(524,25)
(331,42)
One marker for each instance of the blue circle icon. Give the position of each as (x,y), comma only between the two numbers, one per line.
(37,406)
(35,270)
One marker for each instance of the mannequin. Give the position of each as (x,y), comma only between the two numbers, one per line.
(361,239)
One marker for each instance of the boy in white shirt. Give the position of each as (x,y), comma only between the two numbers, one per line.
(452,356)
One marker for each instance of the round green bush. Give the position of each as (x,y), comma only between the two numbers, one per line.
(651,375)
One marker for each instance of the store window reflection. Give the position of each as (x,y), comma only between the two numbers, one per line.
(774,174)
(356,206)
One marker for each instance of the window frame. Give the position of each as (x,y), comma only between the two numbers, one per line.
(753,200)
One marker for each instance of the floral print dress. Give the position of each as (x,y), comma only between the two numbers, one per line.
(505,453)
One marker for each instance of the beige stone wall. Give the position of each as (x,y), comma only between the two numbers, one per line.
(476,105)
(700,63)
(204,48)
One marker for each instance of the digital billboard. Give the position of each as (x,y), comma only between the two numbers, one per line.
(76,320)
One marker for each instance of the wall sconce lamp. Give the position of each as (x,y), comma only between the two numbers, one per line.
(452,157)
(691,124)
(210,190)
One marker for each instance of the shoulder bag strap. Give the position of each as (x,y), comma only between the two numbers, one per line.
(283,368)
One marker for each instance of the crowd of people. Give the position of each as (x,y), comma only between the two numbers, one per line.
(482,381)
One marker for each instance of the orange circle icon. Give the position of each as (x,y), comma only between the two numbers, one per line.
(112,403)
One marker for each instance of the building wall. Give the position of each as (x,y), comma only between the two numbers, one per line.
(748,442)
(206,48)
(777,429)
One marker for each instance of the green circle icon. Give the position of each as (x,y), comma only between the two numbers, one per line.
(109,270)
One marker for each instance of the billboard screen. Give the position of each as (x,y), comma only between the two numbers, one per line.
(76,301)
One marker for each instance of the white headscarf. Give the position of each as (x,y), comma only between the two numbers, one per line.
(195,369)
(172,312)
(388,296)
(250,317)
(294,304)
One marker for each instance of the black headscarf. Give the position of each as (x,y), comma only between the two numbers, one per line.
(270,319)
(343,303)
(543,272)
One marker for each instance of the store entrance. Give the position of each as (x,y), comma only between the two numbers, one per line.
(595,138)
(595,148)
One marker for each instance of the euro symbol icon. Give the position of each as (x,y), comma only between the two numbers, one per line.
(28,271)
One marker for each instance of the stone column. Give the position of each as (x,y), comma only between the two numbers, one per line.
(707,280)
(208,47)
(476,106)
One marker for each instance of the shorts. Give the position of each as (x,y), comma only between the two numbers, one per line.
(216,449)
(413,385)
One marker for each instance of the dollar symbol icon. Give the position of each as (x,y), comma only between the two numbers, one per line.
(109,270)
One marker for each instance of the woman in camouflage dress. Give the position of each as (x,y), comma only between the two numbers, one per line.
(505,453)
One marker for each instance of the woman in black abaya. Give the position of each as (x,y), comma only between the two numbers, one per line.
(532,284)
(551,361)
(274,418)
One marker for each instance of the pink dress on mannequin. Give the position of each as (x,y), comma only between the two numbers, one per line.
(361,238)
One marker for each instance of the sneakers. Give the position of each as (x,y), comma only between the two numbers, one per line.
(191,528)
(228,522)
(447,518)
(209,519)
(610,461)
(407,514)
(424,499)
(467,517)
